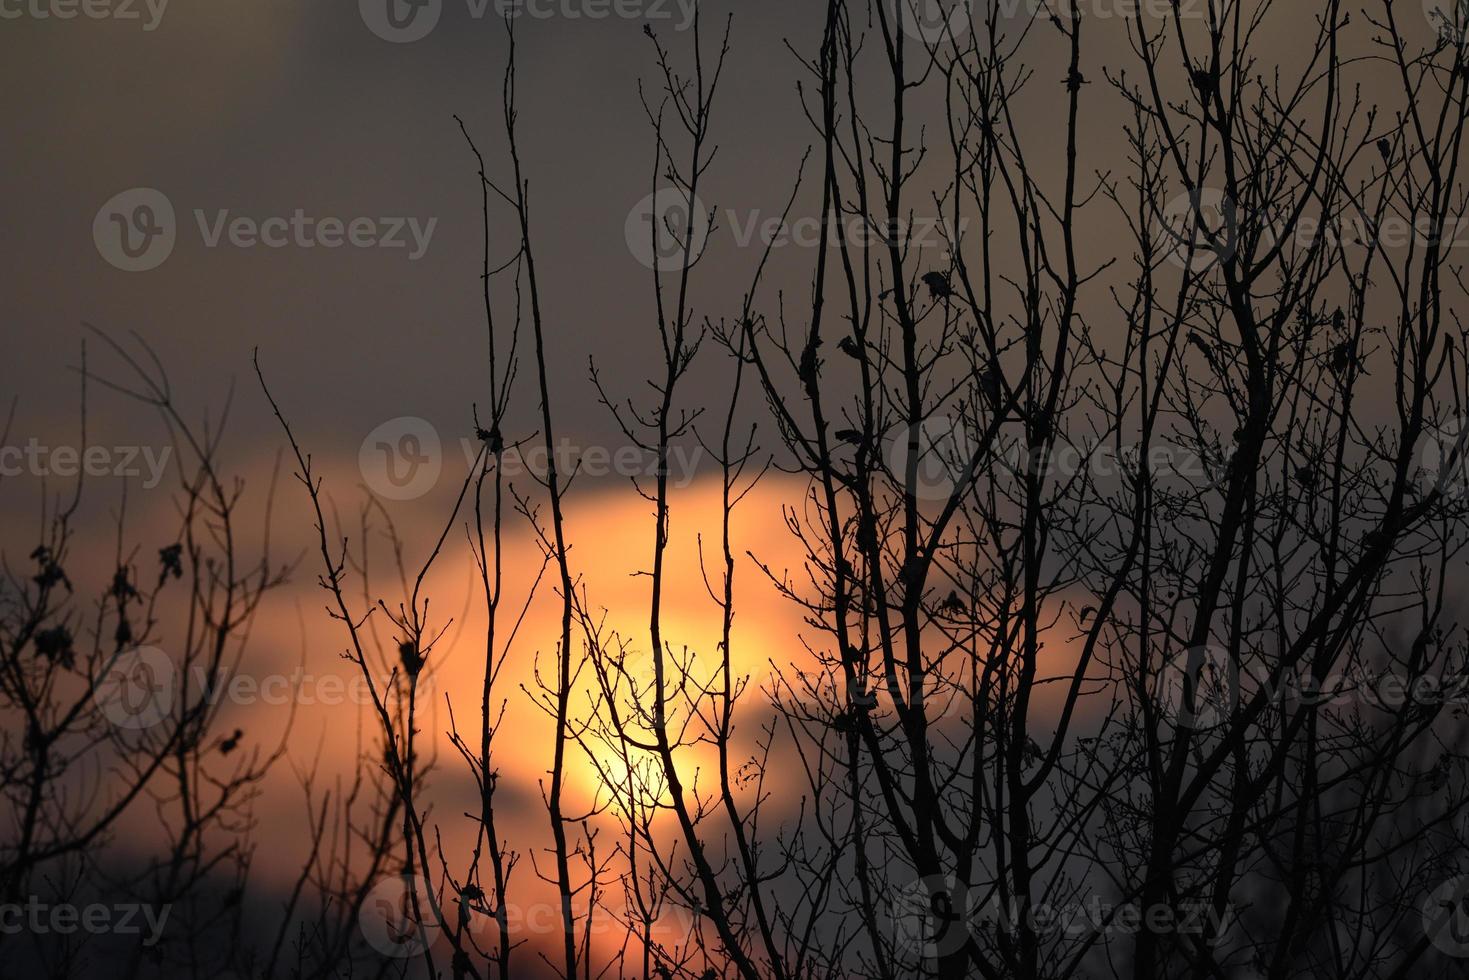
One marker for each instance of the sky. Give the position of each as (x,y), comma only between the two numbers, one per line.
(263,109)
(271,110)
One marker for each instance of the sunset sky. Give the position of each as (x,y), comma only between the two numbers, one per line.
(302,120)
